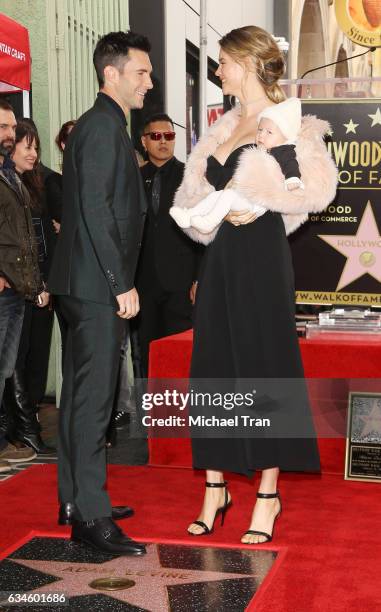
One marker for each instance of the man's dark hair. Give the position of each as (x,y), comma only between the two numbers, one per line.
(4,105)
(156,117)
(112,50)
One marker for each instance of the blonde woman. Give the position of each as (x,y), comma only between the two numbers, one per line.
(244,320)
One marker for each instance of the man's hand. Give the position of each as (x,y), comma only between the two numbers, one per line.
(192,292)
(56,226)
(43,299)
(128,304)
(240,217)
(4,284)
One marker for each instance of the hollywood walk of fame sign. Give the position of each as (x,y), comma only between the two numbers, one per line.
(337,254)
(363,452)
(169,578)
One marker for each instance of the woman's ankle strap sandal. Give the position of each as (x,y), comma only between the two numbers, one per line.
(268,536)
(268,495)
(205,527)
(216,484)
(222,510)
(261,533)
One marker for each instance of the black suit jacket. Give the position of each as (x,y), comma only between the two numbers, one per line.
(53,187)
(167,255)
(104,207)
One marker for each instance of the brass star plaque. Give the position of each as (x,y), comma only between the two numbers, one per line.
(363,452)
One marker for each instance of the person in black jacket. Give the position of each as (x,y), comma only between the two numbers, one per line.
(168,263)
(25,389)
(54,180)
(54,196)
(92,276)
(20,277)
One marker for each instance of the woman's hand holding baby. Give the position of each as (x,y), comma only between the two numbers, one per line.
(240,217)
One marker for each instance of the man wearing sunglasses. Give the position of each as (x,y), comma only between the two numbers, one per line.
(168,261)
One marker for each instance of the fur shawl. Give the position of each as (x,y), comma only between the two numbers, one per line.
(258,176)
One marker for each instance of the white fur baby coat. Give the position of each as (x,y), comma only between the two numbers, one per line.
(259,178)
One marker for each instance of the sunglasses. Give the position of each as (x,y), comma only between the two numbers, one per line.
(158,135)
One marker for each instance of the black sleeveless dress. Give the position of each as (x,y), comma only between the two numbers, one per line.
(244,327)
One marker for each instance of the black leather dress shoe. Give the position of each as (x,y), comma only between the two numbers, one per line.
(66,513)
(103,534)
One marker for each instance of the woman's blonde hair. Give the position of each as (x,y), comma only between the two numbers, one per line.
(257,44)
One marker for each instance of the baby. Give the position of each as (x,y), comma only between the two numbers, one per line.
(278,129)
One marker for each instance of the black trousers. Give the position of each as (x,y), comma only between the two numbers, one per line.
(91,366)
(162,313)
(34,349)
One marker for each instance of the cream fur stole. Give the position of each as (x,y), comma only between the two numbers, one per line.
(259,178)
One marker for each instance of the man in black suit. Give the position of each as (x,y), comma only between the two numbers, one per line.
(93,274)
(168,262)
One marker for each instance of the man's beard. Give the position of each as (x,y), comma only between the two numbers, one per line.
(6,149)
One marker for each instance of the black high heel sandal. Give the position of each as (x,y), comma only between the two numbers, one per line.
(222,510)
(268,536)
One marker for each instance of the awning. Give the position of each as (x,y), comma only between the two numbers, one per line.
(14,55)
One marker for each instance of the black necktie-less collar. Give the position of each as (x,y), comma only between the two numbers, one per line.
(113,105)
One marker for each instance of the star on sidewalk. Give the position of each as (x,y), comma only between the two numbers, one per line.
(351,127)
(372,422)
(376,117)
(363,251)
(150,578)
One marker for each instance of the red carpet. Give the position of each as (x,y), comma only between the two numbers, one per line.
(329,529)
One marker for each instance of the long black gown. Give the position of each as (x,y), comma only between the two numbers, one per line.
(244,327)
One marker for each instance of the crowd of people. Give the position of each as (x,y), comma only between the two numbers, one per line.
(23,382)
(165,278)
(101,240)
